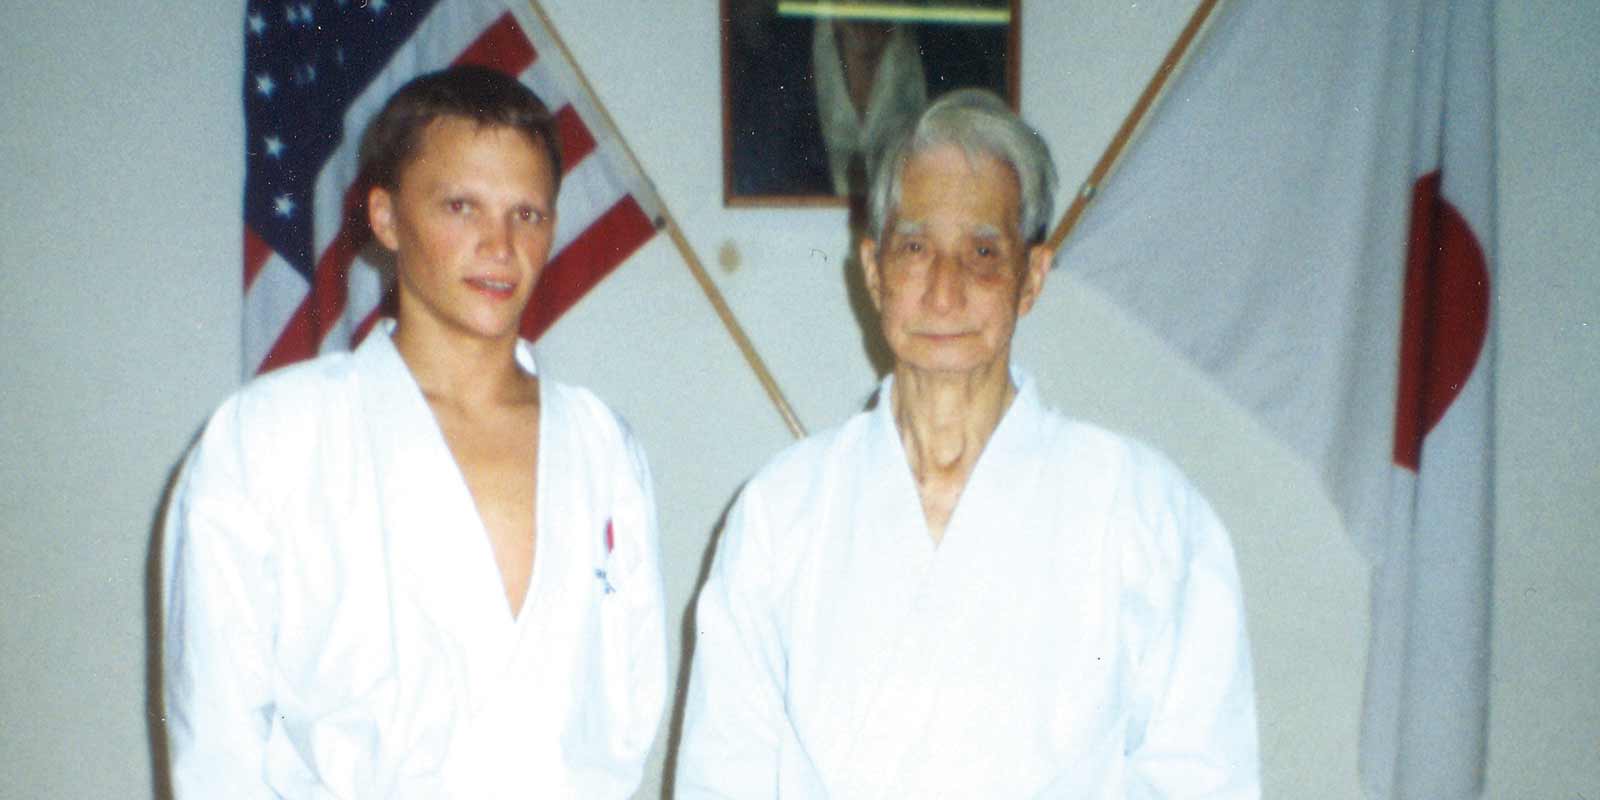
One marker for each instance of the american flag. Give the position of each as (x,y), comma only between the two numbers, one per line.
(315,72)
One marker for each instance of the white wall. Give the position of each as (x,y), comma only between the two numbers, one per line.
(1545,669)
(119,161)
(120,145)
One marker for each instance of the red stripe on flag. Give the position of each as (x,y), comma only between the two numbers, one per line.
(296,342)
(387,307)
(256,253)
(576,140)
(366,326)
(332,283)
(1445,319)
(302,336)
(592,256)
(502,47)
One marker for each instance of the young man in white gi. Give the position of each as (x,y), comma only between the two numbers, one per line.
(420,569)
(960,592)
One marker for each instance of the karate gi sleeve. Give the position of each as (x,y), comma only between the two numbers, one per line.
(1194,686)
(734,712)
(217,596)
(646,627)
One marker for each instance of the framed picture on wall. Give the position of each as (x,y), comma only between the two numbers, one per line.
(810,87)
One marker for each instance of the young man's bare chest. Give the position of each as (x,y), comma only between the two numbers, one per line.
(497,453)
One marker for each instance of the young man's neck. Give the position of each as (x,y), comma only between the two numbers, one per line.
(462,370)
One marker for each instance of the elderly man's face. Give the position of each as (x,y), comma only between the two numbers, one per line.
(953,274)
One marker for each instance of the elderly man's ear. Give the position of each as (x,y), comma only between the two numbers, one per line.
(868,253)
(1037,268)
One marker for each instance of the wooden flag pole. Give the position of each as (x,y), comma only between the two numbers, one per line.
(1130,124)
(712,293)
(725,314)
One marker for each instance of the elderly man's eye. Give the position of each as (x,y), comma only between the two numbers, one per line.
(456,205)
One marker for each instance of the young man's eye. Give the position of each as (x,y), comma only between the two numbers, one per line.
(530,215)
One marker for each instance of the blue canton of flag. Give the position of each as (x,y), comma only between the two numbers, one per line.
(304,63)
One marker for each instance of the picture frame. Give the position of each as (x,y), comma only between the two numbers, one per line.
(810,87)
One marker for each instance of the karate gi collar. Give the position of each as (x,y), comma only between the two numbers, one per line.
(1017,432)
(386,326)
(1025,404)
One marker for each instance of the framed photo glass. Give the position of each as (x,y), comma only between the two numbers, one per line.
(811,87)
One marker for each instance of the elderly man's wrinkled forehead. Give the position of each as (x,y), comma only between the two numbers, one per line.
(956,175)
(919,227)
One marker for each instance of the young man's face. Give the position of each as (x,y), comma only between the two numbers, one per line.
(470,222)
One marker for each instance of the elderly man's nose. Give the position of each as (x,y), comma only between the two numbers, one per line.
(946,288)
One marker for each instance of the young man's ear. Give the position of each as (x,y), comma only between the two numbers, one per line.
(380,217)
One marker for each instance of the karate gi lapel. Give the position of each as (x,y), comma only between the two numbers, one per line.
(946,618)
(553,551)
(444,584)
(869,569)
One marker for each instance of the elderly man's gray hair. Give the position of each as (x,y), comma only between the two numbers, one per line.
(981,124)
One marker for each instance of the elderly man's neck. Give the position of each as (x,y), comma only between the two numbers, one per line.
(945,419)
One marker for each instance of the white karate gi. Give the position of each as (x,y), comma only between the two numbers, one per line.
(336,625)
(1078,634)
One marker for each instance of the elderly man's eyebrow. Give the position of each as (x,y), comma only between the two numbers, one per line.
(909,228)
(984,230)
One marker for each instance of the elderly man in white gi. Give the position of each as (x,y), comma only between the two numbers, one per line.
(961,592)
(421,569)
